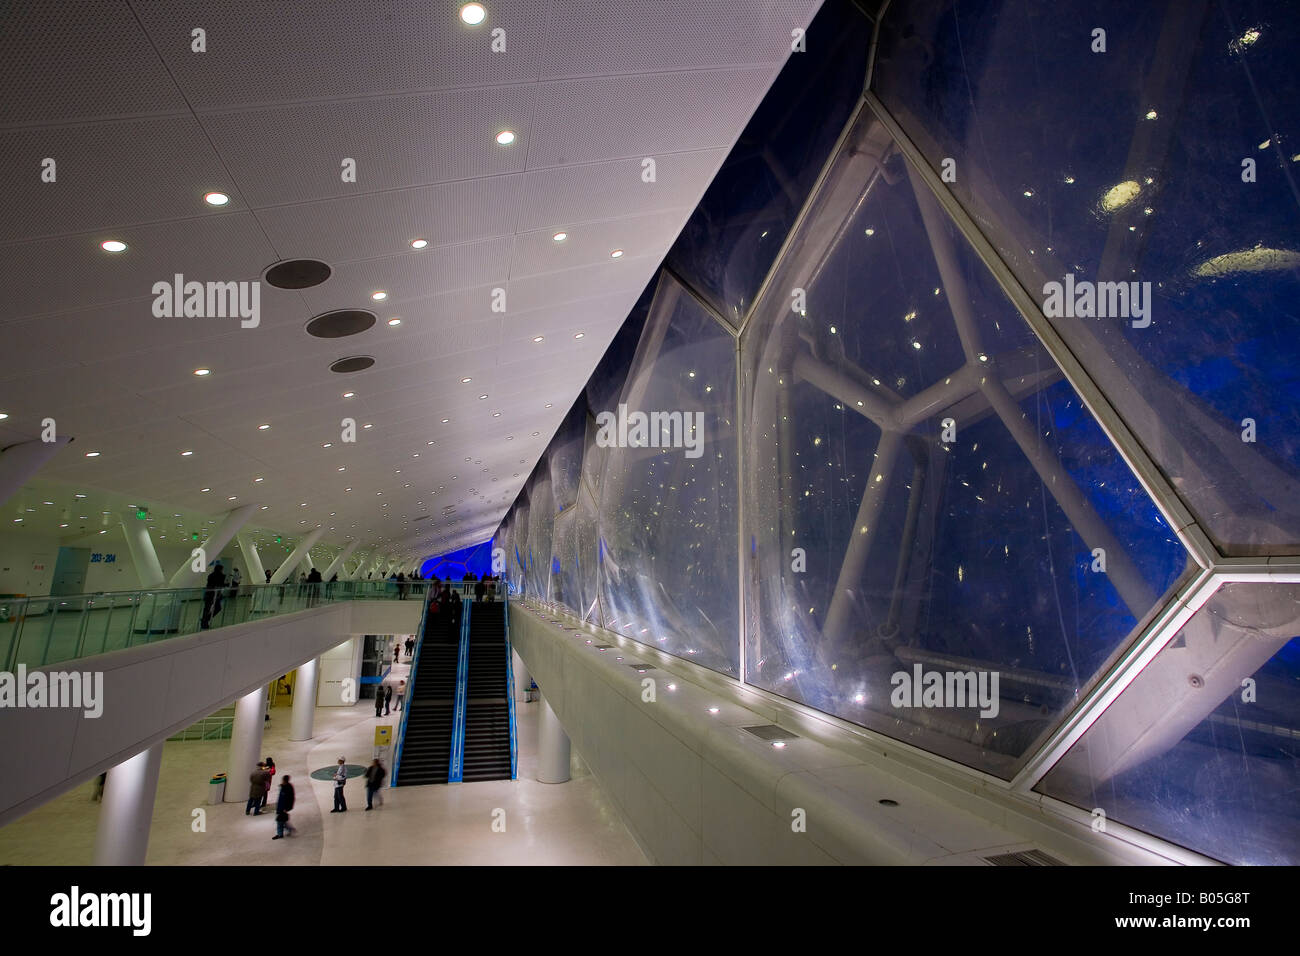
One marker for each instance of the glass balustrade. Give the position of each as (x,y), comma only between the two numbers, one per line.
(35,631)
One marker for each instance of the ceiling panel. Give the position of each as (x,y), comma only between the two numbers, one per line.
(142,126)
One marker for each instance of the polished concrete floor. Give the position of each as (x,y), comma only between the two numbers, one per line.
(520,822)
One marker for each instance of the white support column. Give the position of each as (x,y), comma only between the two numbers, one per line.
(293,560)
(147,566)
(304,700)
(337,563)
(256,573)
(18,463)
(122,833)
(552,747)
(245,743)
(186,576)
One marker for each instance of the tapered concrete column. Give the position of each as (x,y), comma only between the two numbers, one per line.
(291,563)
(522,677)
(256,573)
(245,743)
(304,700)
(122,834)
(552,747)
(337,563)
(18,463)
(186,576)
(147,566)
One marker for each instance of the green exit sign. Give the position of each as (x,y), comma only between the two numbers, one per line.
(194,536)
(142,513)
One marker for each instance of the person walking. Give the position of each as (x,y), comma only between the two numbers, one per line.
(401,695)
(379,700)
(212,596)
(258,781)
(375,774)
(283,804)
(388,698)
(340,778)
(410,648)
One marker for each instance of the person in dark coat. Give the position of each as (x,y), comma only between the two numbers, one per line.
(283,804)
(375,774)
(212,595)
(388,698)
(379,701)
(258,781)
(480,589)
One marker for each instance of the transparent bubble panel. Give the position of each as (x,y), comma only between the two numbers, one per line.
(923,490)
(667,514)
(1163,154)
(541,518)
(1202,748)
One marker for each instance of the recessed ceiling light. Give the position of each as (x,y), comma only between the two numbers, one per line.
(548,404)
(481,397)
(328,444)
(506,137)
(560,236)
(379,295)
(216,199)
(579,335)
(472,13)
(3,416)
(394,322)
(368,425)
(419,243)
(63,525)
(341,468)
(231,498)
(202,371)
(263,427)
(616,254)
(446,420)
(186,454)
(92,454)
(201,489)
(349,394)
(113,245)
(496,414)
(259,479)
(537,338)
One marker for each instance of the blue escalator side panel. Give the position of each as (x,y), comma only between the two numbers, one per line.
(455,773)
(510,691)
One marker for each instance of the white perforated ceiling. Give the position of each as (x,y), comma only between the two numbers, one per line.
(141,126)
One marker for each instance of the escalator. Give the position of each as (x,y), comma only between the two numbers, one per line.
(425,753)
(487,703)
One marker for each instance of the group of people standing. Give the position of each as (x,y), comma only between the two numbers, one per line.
(374,775)
(258,791)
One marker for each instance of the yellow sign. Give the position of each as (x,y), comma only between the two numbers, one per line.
(383,736)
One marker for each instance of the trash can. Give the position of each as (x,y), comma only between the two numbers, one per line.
(217,788)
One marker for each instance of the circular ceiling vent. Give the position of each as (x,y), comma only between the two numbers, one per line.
(355,363)
(340,323)
(297,273)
